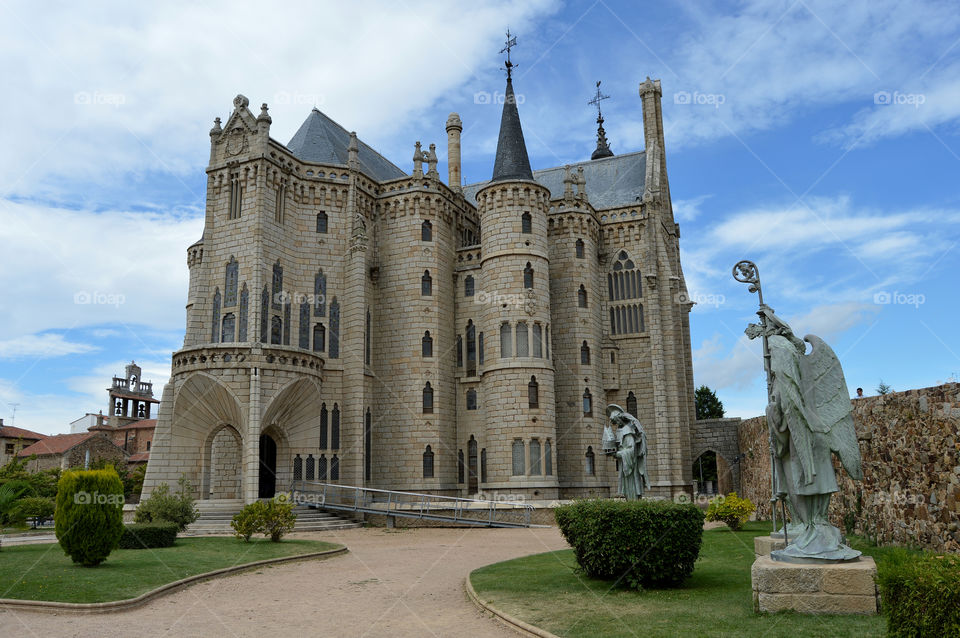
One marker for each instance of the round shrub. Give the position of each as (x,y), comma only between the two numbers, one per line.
(635,543)
(248,521)
(731,509)
(273,518)
(148,536)
(89,514)
(162,506)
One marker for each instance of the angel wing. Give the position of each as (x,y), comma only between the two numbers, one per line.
(823,377)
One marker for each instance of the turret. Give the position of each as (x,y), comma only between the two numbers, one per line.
(454,129)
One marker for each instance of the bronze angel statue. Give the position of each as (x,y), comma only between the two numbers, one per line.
(629,444)
(809,414)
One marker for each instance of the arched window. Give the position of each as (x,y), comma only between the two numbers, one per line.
(426,284)
(319,294)
(265,315)
(304,326)
(319,338)
(367,445)
(215,324)
(471,348)
(528,276)
(311,467)
(480,348)
(426,231)
(460,466)
(297,468)
(533,393)
(547,458)
(459,351)
(471,399)
(231,282)
(322,468)
(519,463)
(236,196)
(426,345)
(584,354)
(277,292)
(537,340)
(334,468)
(229,327)
(427,399)
(624,283)
(366,340)
(523,343)
(579,249)
(587,403)
(591,468)
(582,297)
(535,457)
(526,223)
(428,463)
(334,350)
(276,329)
(324,422)
(483,465)
(321,222)
(632,403)
(335,427)
(242,321)
(506,340)
(468,286)
(286,322)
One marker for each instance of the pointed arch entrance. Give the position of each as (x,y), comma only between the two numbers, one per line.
(267,467)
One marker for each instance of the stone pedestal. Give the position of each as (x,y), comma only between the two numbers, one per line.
(833,588)
(763,545)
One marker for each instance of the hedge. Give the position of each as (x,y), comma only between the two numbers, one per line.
(89,515)
(148,536)
(635,543)
(920,594)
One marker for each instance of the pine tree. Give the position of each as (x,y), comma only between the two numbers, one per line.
(708,405)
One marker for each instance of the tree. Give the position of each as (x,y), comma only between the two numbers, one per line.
(708,405)
(883,388)
(89,515)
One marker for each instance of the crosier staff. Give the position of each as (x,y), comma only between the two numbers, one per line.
(746,272)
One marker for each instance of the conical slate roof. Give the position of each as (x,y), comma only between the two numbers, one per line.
(320,139)
(512,161)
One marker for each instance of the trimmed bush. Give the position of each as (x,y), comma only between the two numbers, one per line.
(273,518)
(247,521)
(89,515)
(731,509)
(164,507)
(920,594)
(148,535)
(635,543)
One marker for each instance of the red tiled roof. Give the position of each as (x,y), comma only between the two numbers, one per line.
(138,457)
(139,425)
(57,444)
(10,432)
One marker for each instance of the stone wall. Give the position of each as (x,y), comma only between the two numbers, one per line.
(721,436)
(910,494)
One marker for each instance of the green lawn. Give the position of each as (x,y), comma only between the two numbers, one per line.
(545,590)
(44,572)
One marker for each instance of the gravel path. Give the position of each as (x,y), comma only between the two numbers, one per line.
(401,582)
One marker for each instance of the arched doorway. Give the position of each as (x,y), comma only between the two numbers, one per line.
(705,473)
(268,466)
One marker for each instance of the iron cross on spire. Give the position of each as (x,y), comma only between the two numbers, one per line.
(599,97)
(510,43)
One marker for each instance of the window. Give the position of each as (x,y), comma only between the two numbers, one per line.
(624,283)
(426,284)
(535,457)
(471,399)
(459,351)
(483,465)
(366,340)
(460,466)
(627,319)
(428,463)
(591,469)
(230,283)
(320,294)
(579,249)
(546,339)
(632,404)
(297,468)
(582,297)
(229,327)
(367,445)
(537,340)
(468,286)
(506,339)
(335,427)
(276,329)
(334,468)
(8,449)
(311,467)
(427,399)
(519,464)
(148,446)
(215,324)
(426,231)
(547,458)
(471,348)
(323,429)
(587,403)
(584,354)
(281,194)
(277,291)
(242,322)
(426,345)
(526,223)
(480,348)
(265,315)
(322,468)
(533,393)
(321,222)
(319,338)
(528,276)
(304,327)
(236,196)
(334,350)
(523,345)
(286,323)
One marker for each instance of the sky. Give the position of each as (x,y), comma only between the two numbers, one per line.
(820,140)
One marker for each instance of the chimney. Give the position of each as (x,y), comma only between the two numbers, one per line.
(454,128)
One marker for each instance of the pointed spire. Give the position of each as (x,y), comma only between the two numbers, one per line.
(511,161)
(603,148)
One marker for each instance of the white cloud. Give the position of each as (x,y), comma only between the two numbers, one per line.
(687,210)
(41,346)
(736,369)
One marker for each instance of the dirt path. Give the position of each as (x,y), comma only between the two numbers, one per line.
(403,582)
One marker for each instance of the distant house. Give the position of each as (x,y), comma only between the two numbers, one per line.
(12,440)
(72,451)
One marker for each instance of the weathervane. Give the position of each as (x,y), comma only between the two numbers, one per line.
(603,148)
(599,97)
(510,43)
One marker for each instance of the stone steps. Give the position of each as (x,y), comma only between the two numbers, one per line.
(215,518)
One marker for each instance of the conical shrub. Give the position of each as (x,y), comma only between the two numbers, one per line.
(89,514)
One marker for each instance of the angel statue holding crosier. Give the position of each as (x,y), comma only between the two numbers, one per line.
(810,419)
(629,444)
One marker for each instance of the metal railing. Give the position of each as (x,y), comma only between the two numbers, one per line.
(392,503)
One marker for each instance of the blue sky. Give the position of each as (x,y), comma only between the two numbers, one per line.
(820,141)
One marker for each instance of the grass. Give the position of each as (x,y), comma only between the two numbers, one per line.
(545,590)
(44,572)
